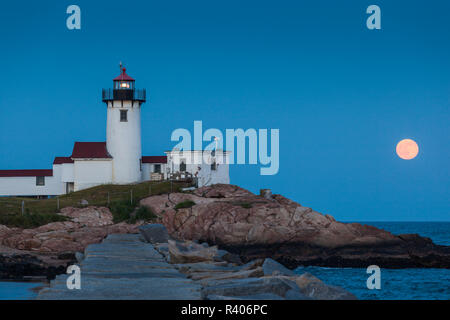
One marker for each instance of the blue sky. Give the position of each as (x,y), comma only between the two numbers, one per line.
(341,95)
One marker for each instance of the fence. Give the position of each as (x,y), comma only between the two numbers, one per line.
(105,195)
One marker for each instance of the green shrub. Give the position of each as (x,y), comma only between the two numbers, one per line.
(121,210)
(184,204)
(30,220)
(143,213)
(246,205)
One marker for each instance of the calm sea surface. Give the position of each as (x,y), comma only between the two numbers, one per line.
(395,284)
(10,290)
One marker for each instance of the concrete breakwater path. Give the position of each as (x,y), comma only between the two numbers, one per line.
(123,267)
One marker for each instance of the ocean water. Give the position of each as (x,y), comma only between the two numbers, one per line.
(415,284)
(11,290)
(396,284)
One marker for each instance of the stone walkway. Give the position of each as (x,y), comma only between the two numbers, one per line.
(123,267)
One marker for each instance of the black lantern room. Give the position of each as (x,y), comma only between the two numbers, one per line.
(123,89)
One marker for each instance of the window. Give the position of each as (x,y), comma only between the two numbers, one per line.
(213,166)
(157,168)
(123,115)
(183,166)
(40,181)
(125,85)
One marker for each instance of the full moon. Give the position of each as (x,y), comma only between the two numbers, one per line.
(407,149)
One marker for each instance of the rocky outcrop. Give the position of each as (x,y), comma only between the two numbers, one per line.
(190,252)
(260,227)
(46,250)
(26,265)
(257,279)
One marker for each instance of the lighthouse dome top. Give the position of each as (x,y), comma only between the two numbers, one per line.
(123,76)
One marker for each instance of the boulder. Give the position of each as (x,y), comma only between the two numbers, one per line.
(316,289)
(187,252)
(163,248)
(207,276)
(252,264)
(89,216)
(210,267)
(222,191)
(271,267)
(154,233)
(283,288)
(223,255)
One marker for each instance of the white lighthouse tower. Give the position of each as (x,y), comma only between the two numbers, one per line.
(123,128)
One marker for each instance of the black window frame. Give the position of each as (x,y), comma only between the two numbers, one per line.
(183,165)
(41,182)
(155,170)
(122,118)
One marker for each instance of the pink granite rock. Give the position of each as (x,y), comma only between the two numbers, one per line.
(86,226)
(255,227)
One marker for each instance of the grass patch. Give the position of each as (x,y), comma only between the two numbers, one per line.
(125,211)
(245,205)
(30,220)
(122,202)
(143,213)
(184,204)
(121,210)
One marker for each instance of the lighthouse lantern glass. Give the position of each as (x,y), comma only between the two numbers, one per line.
(123,85)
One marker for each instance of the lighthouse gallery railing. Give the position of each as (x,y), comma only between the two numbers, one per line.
(123,94)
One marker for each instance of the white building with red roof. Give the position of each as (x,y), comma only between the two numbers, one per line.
(119,160)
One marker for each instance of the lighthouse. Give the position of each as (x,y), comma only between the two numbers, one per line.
(123,128)
(119,160)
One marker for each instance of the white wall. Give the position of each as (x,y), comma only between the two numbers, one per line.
(199,162)
(55,185)
(67,172)
(207,177)
(123,141)
(90,173)
(26,186)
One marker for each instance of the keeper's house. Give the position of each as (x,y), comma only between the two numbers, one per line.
(119,159)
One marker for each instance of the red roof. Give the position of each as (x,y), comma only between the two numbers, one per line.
(123,76)
(61,160)
(90,150)
(154,159)
(27,173)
